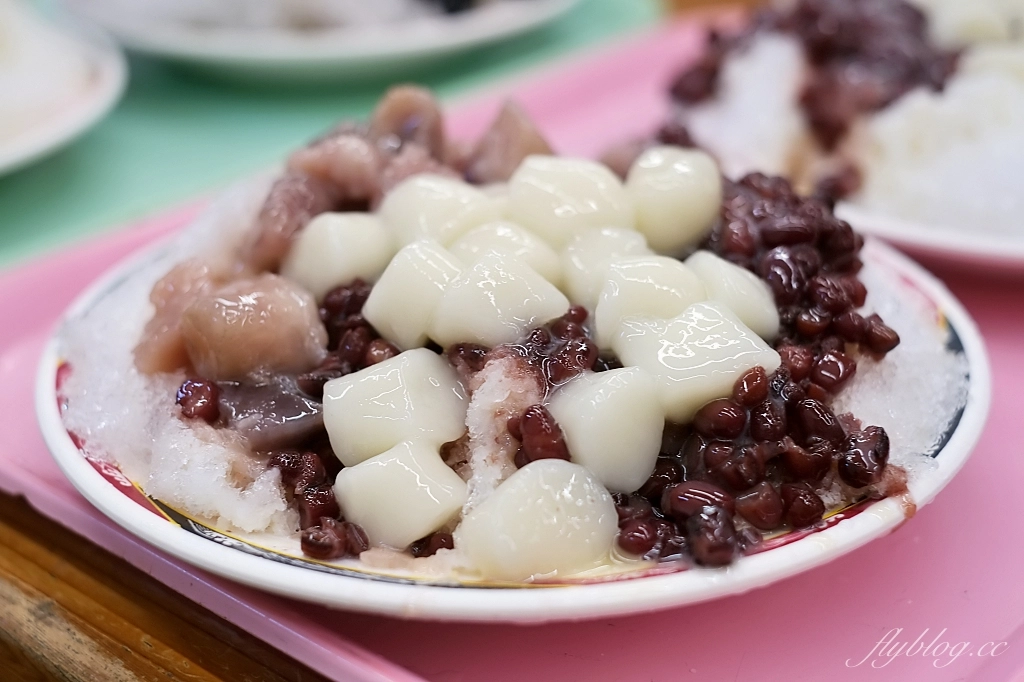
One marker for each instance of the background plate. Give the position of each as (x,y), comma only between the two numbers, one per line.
(110,74)
(974,248)
(336,53)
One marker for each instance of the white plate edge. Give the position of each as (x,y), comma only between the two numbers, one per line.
(530,604)
(942,241)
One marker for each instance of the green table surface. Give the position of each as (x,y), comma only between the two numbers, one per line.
(178,134)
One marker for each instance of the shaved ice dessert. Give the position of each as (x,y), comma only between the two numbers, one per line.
(906,109)
(488,362)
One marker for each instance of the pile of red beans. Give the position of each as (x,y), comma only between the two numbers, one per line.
(863,55)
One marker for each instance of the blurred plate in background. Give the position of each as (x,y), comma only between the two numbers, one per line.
(284,54)
(964,245)
(58,80)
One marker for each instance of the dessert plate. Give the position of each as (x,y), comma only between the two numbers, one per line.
(330,53)
(954,244)
(109,74)
(272,566)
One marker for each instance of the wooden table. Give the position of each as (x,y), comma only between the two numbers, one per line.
(71,611)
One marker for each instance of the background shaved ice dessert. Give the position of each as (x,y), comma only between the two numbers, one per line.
(507,384)
(905,110)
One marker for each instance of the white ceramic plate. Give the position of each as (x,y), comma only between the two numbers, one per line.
(110,73)
(968,246)
(336,53)
(269,567)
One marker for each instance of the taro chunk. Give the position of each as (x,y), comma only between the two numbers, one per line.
(400,495)
(162,348)
(263,324)
(695,357)
(415,395)
(511,138)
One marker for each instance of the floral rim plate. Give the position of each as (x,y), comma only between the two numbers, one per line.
(109,77)
(363,50)
(252,562)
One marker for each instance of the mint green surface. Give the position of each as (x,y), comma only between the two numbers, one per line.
(177,135)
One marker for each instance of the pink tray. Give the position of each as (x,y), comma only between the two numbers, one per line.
(953,571)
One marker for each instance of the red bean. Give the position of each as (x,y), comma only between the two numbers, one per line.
(784,276)
(736,240)
(829,294)
(880,337)
(667,472)
(768,421)
(671,543)
(198,400)
(631,507)
(324,541)
(857,291)
(353,344)
(299,470)
(467,358)
(816,420)
(689,497)
(762,506)
(577,314)
(716,453)
(742,470)
(312,383)
(712,536)
(430,545)
(720,419)
(316,502)
(541,436)
(355,538)
(865,457)
(851,326)
(575,356)
(751,388)
(342,308)
(803,507)
(811,463)
(812,323)
(832,370)
(379,350)
(788,230)
(798,360)
(637,536)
